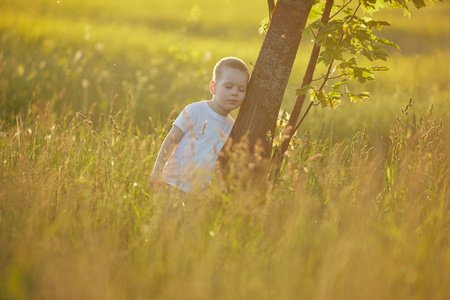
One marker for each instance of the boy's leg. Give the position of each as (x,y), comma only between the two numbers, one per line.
(191,216)
(168,210)
(178,210)
(174,206)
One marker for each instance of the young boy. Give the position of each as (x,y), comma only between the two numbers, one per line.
(186,160)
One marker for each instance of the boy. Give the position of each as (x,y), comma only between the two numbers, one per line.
(188,154)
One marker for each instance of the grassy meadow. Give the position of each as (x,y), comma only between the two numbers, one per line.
(87,93)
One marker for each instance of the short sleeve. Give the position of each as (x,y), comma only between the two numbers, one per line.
(185,119)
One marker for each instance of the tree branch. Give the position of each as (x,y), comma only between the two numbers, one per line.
(271,4)
(341,9)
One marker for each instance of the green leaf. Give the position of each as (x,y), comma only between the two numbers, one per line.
(347,64)
(329,54)
(264,26)
(386,43)
(380,68)
(362,74)
(419,3)
(357,97)
(334,98)
(369,3)
(321,37)
(349,11)
(379,53)
(334,94)
(377,24)
(316,25)
(302,91)
(319,96)
(338,85)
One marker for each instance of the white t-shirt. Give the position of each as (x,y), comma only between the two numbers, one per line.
(192,163)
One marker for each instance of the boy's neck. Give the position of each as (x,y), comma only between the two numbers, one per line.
(216,109)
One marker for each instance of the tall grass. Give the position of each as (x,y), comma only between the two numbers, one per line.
(346,219)
(88,92)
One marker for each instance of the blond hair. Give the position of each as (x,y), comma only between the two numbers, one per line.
(232,62)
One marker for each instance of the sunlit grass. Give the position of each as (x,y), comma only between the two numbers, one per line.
(360,210)
(360,218)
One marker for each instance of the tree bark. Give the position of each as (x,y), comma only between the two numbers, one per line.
(259,112)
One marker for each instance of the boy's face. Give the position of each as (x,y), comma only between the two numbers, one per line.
(229,90)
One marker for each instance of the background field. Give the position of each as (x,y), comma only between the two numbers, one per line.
(87,93)
(75,54)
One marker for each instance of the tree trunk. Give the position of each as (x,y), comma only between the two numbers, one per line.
(258,114)
(292,125)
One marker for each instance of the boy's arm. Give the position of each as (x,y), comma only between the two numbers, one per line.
(169,143)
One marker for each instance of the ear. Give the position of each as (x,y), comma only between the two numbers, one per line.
(212,87)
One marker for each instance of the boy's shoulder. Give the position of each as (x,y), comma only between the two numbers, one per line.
(197,104)
(191,112)
(200,108)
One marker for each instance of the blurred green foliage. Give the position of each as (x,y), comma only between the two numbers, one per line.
(74,54)
(153,57)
